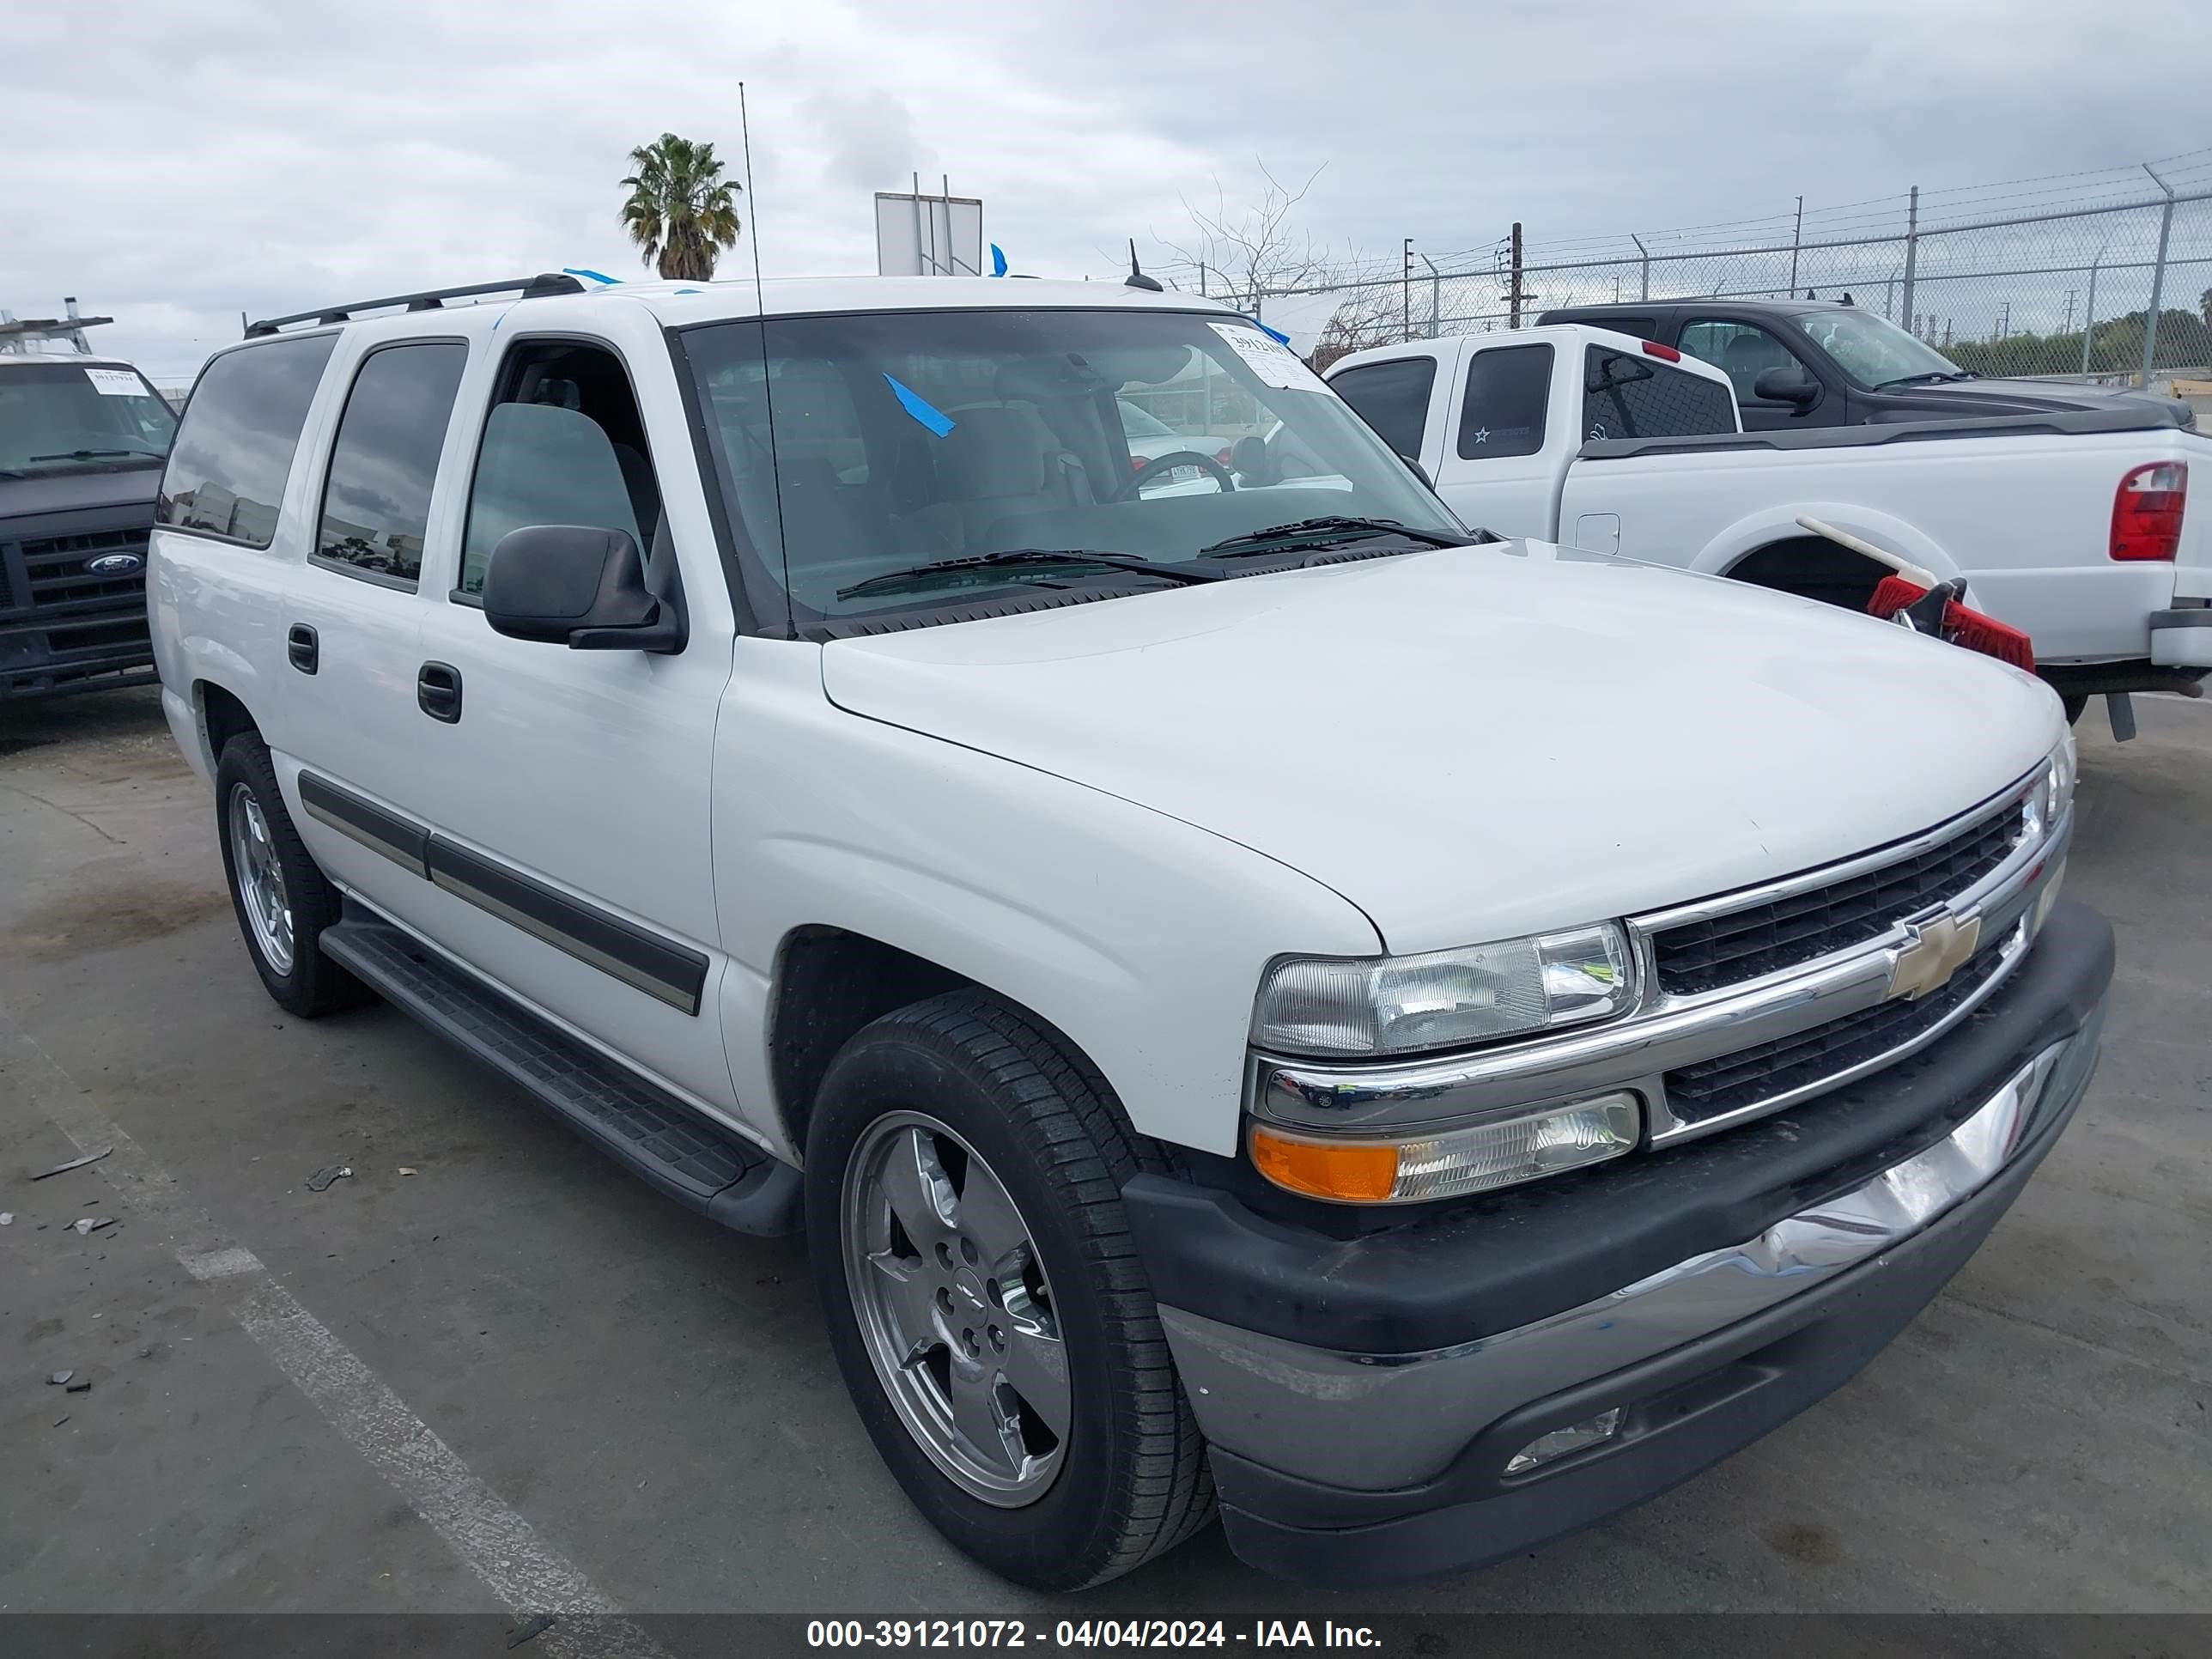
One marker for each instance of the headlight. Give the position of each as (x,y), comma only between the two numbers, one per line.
(1443,998)
(2049,801)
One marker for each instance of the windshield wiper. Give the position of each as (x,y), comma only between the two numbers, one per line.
(1928,377)
(1334,527)
(98,454)
(1022,556)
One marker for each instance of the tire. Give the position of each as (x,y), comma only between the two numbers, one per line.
(2075,706)
(966,1079)
(283,946)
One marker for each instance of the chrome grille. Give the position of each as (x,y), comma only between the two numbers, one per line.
(1804,926)
(1828,1050)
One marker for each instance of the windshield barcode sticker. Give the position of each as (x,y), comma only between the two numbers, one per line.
(115,383)
(1276,364)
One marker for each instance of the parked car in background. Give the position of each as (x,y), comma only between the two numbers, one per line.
(1256,998)
(2070,525)
(1799,363)
(82,441)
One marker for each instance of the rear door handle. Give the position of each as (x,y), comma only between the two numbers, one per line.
(438,688)
(301,645)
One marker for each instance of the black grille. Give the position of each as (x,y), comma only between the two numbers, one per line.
(1751,1075)
(55,568)
(1765,939)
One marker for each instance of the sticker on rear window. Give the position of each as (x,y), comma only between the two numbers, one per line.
(1275,364)
(115,383)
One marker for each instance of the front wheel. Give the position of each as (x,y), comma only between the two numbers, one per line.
(984,1300)
(282,899)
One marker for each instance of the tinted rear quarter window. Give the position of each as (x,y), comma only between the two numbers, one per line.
(1625,397)
(1503,412)
(1393,398)
(376,497)
(226,474)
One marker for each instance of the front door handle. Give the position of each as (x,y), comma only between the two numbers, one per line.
(438,688)
(301,645)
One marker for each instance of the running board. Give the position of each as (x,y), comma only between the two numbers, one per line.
(665,1142)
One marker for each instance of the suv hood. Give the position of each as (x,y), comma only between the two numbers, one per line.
(1483,741)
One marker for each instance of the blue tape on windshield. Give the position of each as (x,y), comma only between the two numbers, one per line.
(924,413)
(579,271)
(1274,334)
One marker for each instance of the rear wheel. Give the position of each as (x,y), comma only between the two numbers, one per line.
(282,900)
(985,1301)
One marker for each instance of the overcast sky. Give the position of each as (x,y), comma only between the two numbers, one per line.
(174,162)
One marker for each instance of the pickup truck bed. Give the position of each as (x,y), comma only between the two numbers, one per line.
(2023,507)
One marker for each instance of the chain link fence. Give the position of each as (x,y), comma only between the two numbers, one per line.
(2102,275)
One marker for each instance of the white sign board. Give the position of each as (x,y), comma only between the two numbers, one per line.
(115,383)
(929,236)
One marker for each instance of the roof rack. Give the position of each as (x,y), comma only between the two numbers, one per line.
(541,285)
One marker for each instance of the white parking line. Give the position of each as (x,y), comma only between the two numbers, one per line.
(525,1572)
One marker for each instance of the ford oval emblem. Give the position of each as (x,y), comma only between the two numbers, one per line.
(114,564)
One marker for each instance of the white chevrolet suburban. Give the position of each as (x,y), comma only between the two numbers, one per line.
(2069,524)
(1258,998)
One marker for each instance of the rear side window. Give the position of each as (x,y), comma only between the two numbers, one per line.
(226,475)
(376,499)
(1391,398)
(1503,413)
(1625,397)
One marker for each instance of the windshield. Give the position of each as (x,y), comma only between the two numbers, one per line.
(55,416)
(1871,349)
(911,439)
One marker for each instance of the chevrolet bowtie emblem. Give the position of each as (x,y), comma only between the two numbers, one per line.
(1934,951)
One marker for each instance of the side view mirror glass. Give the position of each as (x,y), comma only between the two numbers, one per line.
(1786,383)
(575,585)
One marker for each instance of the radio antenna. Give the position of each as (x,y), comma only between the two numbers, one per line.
(768,394)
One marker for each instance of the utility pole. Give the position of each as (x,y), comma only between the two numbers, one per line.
(1405,293)
(2157,279)
(2089,310)
(1797,242)
(1911,249)
(1514,299)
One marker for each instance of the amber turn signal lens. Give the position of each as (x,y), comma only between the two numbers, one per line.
(1349,1174)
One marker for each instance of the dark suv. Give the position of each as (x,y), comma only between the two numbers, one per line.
(82,441)
(1823,363)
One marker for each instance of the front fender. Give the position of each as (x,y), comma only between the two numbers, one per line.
(1141,937)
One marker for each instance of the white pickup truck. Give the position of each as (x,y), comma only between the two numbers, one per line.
(1251,995)
(2068,524)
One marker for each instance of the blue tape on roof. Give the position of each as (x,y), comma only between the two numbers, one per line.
(579,271)
(925,413)
(997,260)
(1274,334)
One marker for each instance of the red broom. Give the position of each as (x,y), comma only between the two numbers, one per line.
(1932,606)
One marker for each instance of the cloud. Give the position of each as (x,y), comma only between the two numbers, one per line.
(204,159)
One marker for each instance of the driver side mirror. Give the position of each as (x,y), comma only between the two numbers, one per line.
(570,584)
(1786,383)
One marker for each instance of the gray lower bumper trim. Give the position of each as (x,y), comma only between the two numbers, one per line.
(1372,1422)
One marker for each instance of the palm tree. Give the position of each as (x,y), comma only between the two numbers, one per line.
(680,210)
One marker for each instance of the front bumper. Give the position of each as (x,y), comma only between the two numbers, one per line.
(1363,1397)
